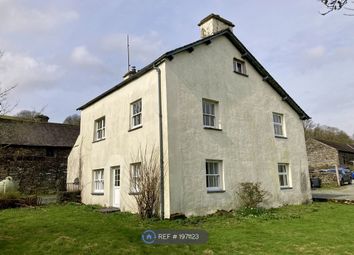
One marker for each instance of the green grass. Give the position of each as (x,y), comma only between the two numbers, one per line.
(320,228)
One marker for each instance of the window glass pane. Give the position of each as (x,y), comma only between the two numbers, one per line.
(278,129)
(134,109)
(285,177)
(277,118)
(239,66)
(207,121)
(212,111)
(281,180)
(212,121)
(204,107)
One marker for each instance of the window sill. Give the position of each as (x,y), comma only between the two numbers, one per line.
(285,188)
(134,193)
(96,141)
(97,193)
(281,137)
(134,128)
(212,128)
(243,74)
(216,191)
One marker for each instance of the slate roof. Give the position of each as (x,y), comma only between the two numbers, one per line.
(339,146)
(19,131)
(207,40)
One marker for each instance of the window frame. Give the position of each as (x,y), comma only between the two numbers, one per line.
(214,116)
(280,124)
(134,115)
(134,177)
(96,182)
(101,129)
(219,174)
(243,70)
(285,176)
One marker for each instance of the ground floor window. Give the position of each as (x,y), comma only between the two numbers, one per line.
(213,174)
(134,177)
(283,172)
(98,181)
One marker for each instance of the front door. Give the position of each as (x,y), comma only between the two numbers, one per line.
(116,186)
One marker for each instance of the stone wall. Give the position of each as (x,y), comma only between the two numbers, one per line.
(320,155)
(36,169)
(326,178)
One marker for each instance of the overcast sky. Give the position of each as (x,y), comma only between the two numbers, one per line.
(63,53)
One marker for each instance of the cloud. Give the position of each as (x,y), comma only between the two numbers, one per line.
(143,48)
(81,56)
(27,72)
(16,17)
(316,52)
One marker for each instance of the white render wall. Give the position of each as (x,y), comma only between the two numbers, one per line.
(246,144)
(119,146)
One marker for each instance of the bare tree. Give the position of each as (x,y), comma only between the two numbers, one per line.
(28,114)
(145,181)
(337,5)
(323,132)
(73,120)
(5,107)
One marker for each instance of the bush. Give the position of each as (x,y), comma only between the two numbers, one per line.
(247,211)
(10,195)
(14,199)
(251,194)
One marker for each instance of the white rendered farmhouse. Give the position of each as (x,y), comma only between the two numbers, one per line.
(225,120)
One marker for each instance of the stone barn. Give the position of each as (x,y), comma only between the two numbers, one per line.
(324,154)
(34,152)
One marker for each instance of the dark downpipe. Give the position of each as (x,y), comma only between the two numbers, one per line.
(162,188)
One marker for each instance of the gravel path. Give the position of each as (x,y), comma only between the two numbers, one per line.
(345,192)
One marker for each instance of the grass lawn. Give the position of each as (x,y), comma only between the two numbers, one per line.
(320,228)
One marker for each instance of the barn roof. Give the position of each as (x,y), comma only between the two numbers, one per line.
(19,131)
(339,146)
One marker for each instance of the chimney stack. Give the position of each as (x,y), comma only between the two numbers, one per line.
(130,73)
(213,24)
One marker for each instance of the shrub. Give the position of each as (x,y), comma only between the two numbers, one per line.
(10,195)
(251,194)
(147,185)
(14,199)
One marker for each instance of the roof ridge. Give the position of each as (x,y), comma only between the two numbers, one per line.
(267,77)
(32,121)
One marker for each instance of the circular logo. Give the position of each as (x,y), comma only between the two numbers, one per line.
(148,237)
